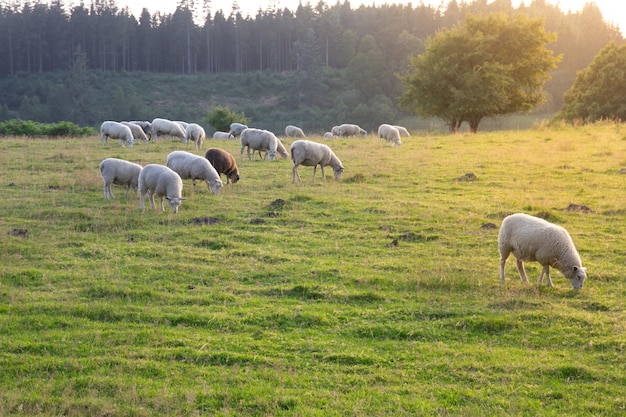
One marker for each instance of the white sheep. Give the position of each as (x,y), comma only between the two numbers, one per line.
(348,129)
(294,131)
(308,153)
(196,134)
(236,129)
(328,135)
(120,172)
(222,135)
(261,140)
(137,131)
(159,180)
(167,127)
(193,167)
(534,239)
(116,130)
(335,131)
(403,131)
(389,133)
(145,126)
(182,124)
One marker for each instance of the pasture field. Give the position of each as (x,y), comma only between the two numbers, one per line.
(375,295)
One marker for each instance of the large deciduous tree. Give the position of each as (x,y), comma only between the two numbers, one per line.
(491,65)
(600,89)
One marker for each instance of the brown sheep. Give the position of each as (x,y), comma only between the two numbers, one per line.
(224,163)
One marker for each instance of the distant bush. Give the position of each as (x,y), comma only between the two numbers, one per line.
(221,117)
(16,127)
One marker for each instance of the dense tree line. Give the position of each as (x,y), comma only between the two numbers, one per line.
(323,48)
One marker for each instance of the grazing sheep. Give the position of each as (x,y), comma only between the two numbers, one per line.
(403,131)
(533,239)
(190,166)
(196,134)
(236,129)
(224,163)
(115,130)
(328,135)
(261,140)
(308,153)
(347,129)
(223,135)
(389,133)
(335,131)
(161,181)
(137,131)
(294,132)
(167,127)
(120,172)
(145,126)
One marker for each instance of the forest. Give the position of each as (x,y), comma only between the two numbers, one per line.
(313,65)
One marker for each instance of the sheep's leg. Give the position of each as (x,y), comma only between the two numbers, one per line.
(162,206)
(314,170)
(295,174)
(502,264)
(107,191)
(545,271)
(152,204)
(141,201)
(127,190)
(522,271)
(323,175)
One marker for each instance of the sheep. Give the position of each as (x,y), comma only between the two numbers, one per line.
(137,131)
(308,153)
(196,134)
(294,132)
(190,166)
(224,163)
(120,172)
(403,131)
(223,135)
(167,127)
(389,133)
(328,135)
(115,130)
(236,129)
(145,126)
(335,131)
(159,180)
(182,124)
(261,140)
(534,239)
(347,129)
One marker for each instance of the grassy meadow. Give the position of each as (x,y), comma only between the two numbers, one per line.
(375,295)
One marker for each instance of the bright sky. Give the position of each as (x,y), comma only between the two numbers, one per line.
(613,11)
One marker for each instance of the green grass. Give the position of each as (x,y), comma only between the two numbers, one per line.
(375,295)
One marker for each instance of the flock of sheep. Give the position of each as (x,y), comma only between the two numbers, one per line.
(528,238)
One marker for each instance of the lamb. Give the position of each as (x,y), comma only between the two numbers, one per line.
(261,140)
(223,135)
(403,131)
(294,132)
(236,129)
(190,166)
(159,180)
(534,239)
(328,135)
(224,163)
(308,153)
(115,130)
(120,172)
(137,131)
(196,134)
(347,129)
(389,133)
(167,127)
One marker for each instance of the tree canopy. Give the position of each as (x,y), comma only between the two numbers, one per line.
(491,65)
(599,90)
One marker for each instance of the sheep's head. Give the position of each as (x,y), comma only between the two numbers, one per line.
(338,171)
(215,185)
(175,203)
(576,276)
